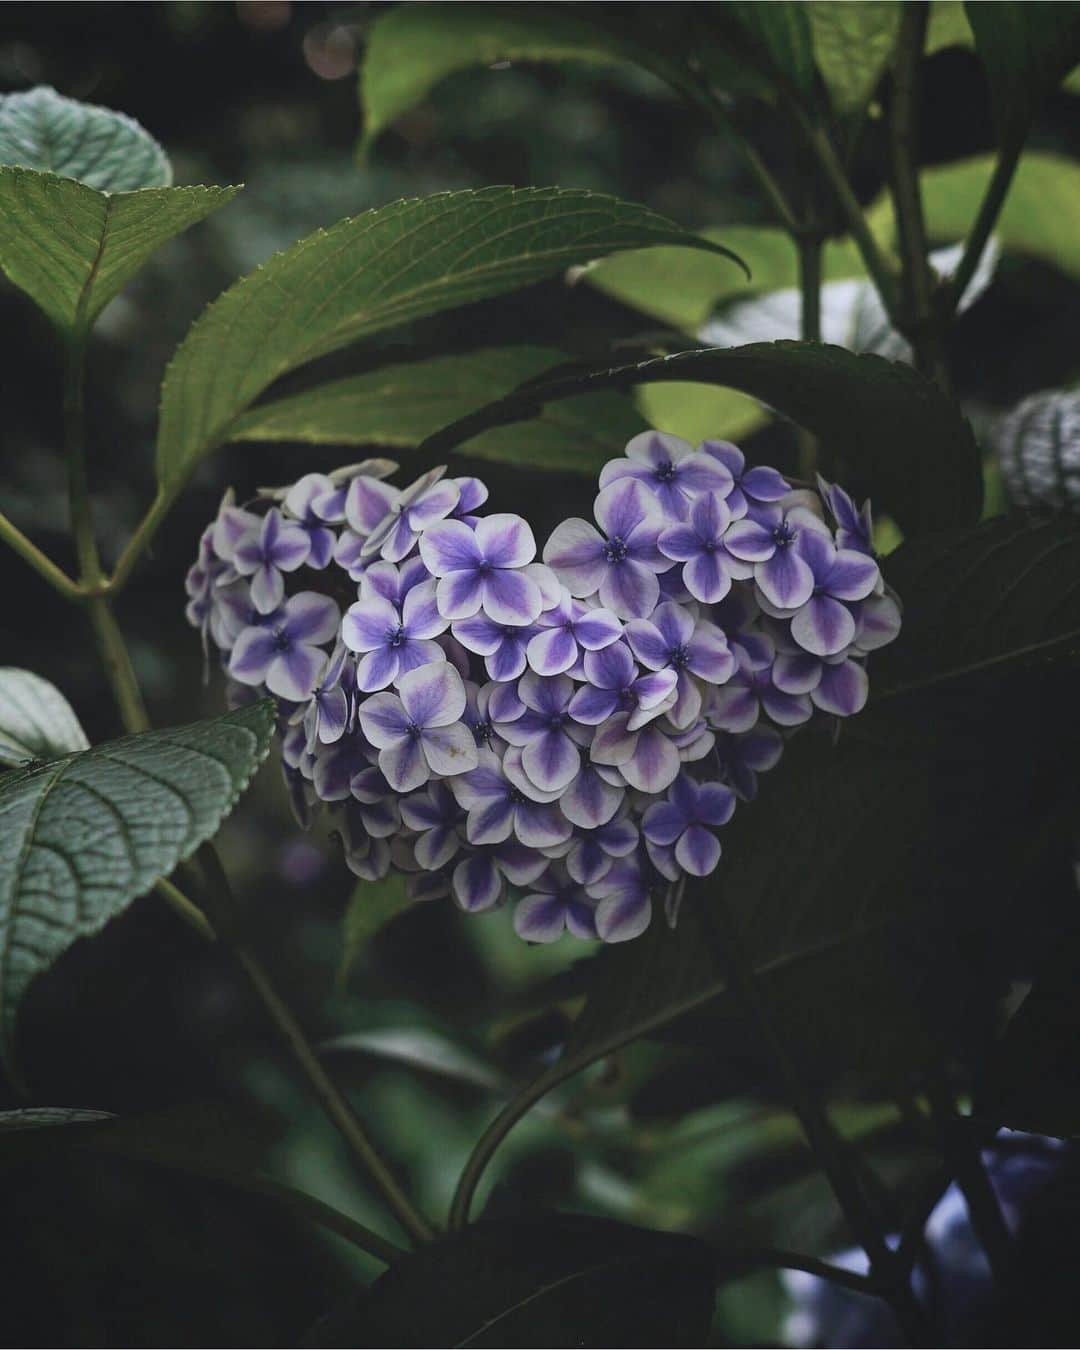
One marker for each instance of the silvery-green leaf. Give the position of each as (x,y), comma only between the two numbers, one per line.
(83,835)
(40,129)
(1038,443)
(36,720)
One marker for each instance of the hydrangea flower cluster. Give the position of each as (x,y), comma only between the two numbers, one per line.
(574,729)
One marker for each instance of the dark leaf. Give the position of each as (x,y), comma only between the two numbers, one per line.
(1026,47)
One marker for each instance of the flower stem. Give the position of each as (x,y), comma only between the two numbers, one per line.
(137,544)
(116,663)
(810,248)
(337,1109)
(985,220)
(890,1281)
(57,578)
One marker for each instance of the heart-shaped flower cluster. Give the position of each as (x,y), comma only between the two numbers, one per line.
(574,731)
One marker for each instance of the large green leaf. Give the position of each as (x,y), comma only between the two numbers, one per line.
(948,26)
(412,48)
(368,273)
(986,599)
(1026,47)
(71,247)
(36,720)
(853,44)
(546,1280)
(84,835)
(371,907)
(1036,219)
(400,405)
(40,129)
(885,430)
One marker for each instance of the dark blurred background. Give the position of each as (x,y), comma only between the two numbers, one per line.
(146,1016)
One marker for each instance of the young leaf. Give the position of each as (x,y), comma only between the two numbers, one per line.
(412,48)
(546,1280)
(853,45)
(36,720)
(400,405)
(885,430)
(368,273)
(1026,47)
(72,248)
(985,599)
(40,129)
(84,835)
(1037,218)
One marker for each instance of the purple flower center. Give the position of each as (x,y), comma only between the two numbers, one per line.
(282,640)
(628,698)
(678,657)
(518,797)
(509,631)
(483,567)
(396,636)
(415,730)
(783,535)
(615,550)
(482,730)
(665,472)
(555,720)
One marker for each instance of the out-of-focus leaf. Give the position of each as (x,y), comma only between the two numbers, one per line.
(400,405)
(985,599)
(40,129)
(71,248)
(853,44)
(412,48)
(371,906)
(36,720)
(1026,47)
(48,1117)
(780,38)
(549,1280)
(683,288)
(888,432)
(698,412)
(948,26)
(1037,216)
(365,274)
(83,835)
(418,1048)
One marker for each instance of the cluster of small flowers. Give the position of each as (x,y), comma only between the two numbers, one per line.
(577,729)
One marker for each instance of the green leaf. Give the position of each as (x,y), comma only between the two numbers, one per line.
(1036,219)
(853,45)
(683,288)
(36,720)
(84,835)
(71,248)
(1033,1082)
(986,599)
(885,430)
(948,26)
(418,1048)
(400,405)
(1026,47)
(548,1280)
(781,39)
(371,907)
(40,129)
(412,48)
(698,412)
(47,1117)
(383,268)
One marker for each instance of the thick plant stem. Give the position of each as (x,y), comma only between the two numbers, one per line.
(890,1280)
(964,1159)
(918,316)
(881,266)
(337,1109)
(810,249)
(139,541)
(57,578)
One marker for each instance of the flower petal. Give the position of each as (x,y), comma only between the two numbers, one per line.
(433,696)
(450,750)
(575,552)
(823,626)
(505,540)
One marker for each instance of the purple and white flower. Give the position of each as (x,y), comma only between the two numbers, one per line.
(482,568)
(264,552)
(556,904)
(672,471)
(546,733)
(302,503)
(737,705)
(708,568)
(686,822)
(287,655)
(418,731)
(392,644)
(749,486)
(413,510)
(674,640)
(622,563)
(566,631)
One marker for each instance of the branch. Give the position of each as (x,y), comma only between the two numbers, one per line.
(57,578)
